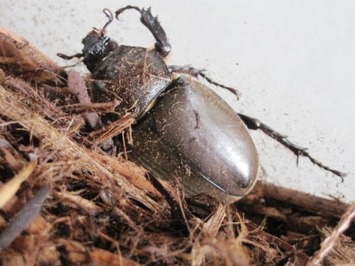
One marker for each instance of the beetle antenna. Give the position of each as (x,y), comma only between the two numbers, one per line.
(109,15)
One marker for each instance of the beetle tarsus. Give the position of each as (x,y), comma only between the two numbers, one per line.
(254,124)
(195,72)
(162,44)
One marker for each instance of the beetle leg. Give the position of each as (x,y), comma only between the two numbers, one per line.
(162,45)
(69,57)
(254,124)
(195,72)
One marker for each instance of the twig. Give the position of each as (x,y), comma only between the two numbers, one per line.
(23,218)
(329,243)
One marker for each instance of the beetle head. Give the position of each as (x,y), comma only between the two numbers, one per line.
(96,47)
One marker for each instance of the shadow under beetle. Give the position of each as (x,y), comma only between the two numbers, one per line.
(183,128)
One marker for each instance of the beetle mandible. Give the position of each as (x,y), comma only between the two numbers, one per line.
(183,128)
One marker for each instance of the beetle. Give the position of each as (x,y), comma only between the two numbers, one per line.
(183,128)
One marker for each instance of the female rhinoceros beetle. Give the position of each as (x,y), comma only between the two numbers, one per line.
(189,132)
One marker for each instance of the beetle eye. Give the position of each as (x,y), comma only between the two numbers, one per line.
(108,45)
(111,46)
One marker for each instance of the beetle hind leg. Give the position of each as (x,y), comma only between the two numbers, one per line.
(162,44)
(255,124)
(196,72)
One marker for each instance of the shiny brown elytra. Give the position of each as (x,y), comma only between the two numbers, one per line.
(193,134)
(190,133)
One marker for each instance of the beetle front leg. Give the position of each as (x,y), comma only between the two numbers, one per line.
(162,45)
(255,124)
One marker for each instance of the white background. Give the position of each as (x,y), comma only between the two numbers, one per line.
(293,61)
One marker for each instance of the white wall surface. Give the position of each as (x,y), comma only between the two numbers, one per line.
(293,61)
